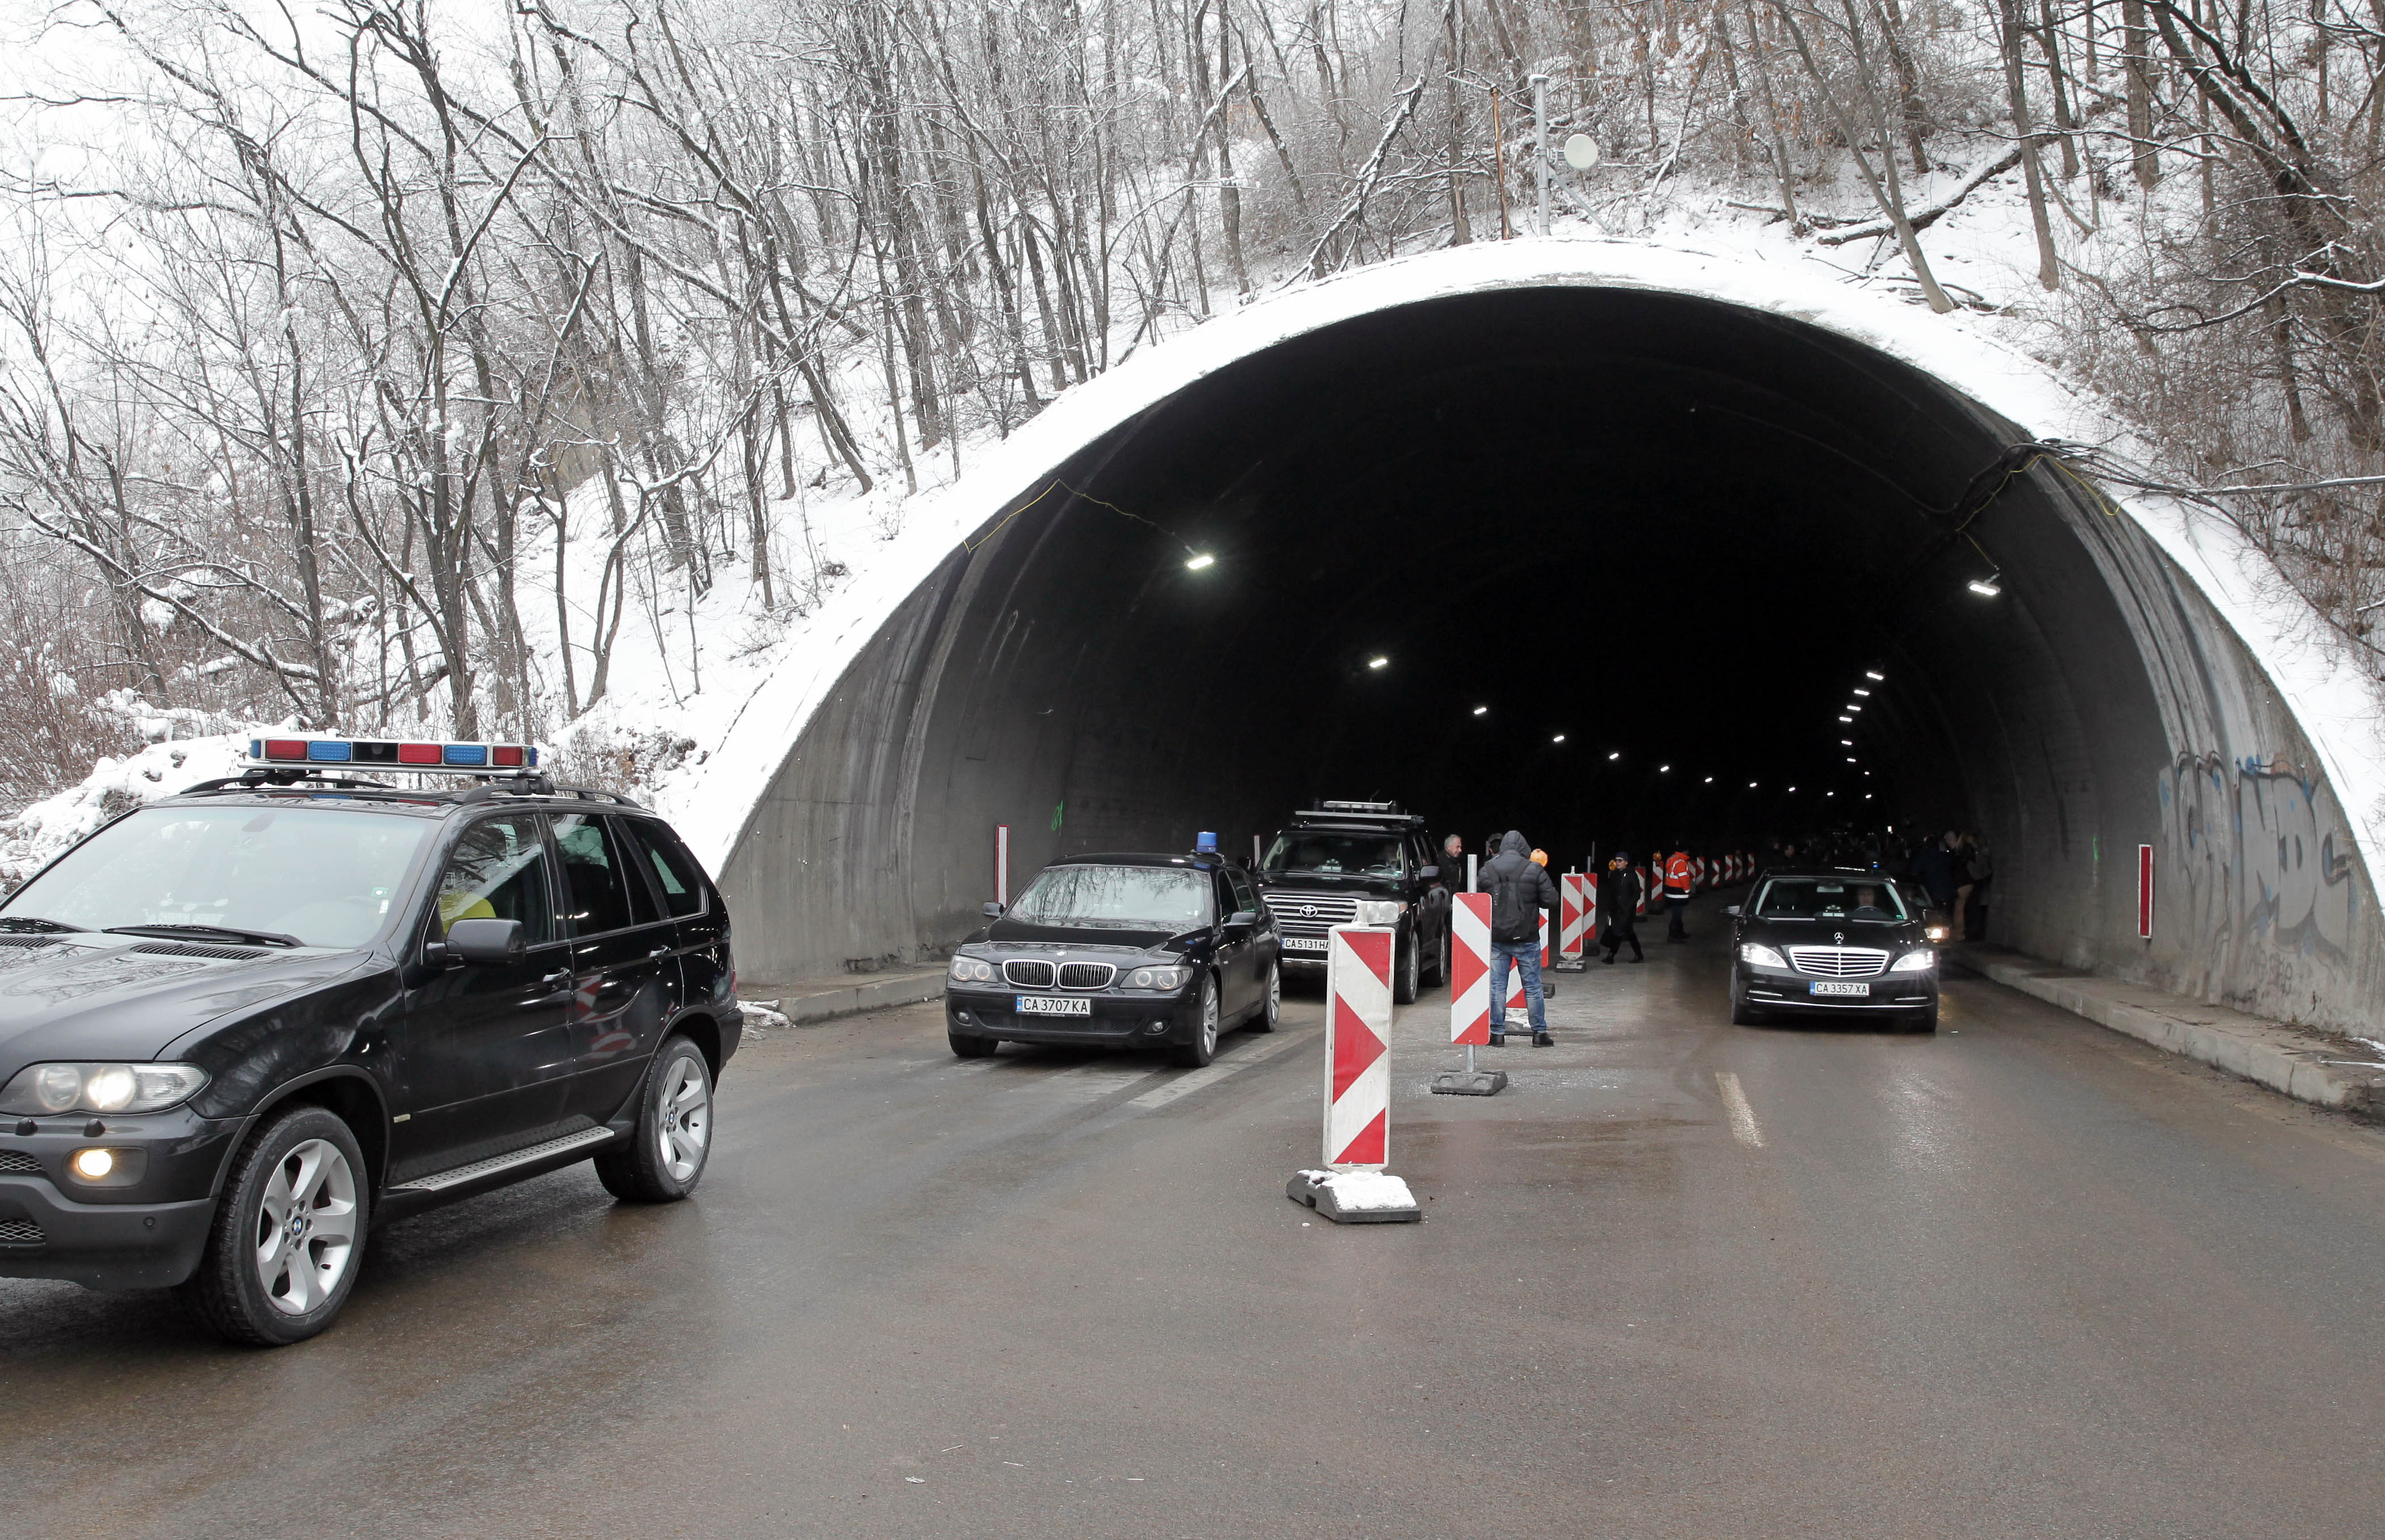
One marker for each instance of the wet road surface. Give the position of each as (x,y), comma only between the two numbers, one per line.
(2023,1278)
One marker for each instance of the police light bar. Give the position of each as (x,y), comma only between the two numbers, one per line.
(1333,807)
(385,754)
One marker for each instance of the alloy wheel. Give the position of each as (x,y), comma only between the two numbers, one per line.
(684,1125)
(306,1232)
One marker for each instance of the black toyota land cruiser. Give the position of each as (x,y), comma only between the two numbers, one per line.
(1360,863)
(243,1026)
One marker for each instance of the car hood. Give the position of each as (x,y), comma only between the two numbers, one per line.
(1824,932)
(122,997)
(1011,935)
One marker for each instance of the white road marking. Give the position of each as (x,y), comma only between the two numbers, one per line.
(1196,1080)
(1742,1116)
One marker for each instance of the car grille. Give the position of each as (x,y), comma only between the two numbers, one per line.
(1837,962)
(20,1232)
(1028,973)
(1311,914)
(15,1162)
(184,949)
(1086,975)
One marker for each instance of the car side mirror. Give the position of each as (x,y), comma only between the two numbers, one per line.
(991,910)
(485,941)
(1427,872)
(1732,909)
(1241,919)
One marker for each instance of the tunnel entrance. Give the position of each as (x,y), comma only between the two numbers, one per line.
(1626,559)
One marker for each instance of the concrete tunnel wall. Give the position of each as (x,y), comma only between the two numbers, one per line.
(1048,673)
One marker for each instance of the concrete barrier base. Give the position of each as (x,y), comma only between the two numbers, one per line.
(1355,1197)
(1469,1083)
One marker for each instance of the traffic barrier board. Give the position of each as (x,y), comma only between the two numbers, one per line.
(1516,1000)
(1358,1047)
(1469,969)
(1577,913)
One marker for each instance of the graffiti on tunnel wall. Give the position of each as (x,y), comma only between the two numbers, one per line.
(2257,852)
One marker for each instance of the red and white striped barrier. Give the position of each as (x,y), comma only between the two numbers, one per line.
(1574,929)
(1640,909)
(1469,969)
(1358,1047)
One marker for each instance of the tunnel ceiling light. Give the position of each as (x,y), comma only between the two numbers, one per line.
(1854,708)
(1846,719)
(1851,759)
(1751,785)
(1616,755)
(1662,769)
(1870,674)
(1378,663)
(1867,796)
(1849,742)
(1198,560)
(1792,788)
(1829,794)
(1560,738)
(1709,781)
(1988,586)
(1863,691)
(1481,709)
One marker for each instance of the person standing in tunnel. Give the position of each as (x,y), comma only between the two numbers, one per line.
(1933,868)
(1452,864)
(1618,906)
(1677,892)
(1519,890)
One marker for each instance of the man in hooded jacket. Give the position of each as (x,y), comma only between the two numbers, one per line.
(1618,907)
(1519,890)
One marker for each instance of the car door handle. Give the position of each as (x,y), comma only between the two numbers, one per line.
(560,976)
(658,952)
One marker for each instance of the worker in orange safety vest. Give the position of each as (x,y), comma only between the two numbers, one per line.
(1677,894)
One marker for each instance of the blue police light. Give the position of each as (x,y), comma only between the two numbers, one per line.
(1207,843)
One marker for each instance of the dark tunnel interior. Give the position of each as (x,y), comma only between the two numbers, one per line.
(1627,559)
(1679,534)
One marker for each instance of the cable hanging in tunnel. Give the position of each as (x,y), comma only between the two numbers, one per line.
(1193,558)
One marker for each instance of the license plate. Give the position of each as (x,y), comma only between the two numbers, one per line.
(1303,944)
(1054,1005)
(1861,991)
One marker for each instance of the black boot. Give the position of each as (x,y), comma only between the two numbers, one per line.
(1543,1040)
(1498,1039)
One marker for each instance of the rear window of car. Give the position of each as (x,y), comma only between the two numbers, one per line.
(676,878)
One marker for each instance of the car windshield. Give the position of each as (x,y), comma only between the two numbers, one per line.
(1334,855)
(1123,897)
(1857,900)
(325,876)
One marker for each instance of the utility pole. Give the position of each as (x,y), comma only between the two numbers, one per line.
(1540,147)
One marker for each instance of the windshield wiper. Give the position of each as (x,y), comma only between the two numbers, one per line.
(35,922)
(269,938)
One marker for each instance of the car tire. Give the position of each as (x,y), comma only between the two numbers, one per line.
(1410,965)
(1270,1000)
(1203,1046)
(1440,957)
(667,1150)
(300,1177)
(972,1046)
(1742,1014)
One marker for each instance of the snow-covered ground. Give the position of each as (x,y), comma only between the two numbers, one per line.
(706,694)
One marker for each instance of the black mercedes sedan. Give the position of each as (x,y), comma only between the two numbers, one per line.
(1839,941)
(1122,951)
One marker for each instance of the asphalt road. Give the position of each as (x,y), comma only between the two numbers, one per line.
(2024,1278)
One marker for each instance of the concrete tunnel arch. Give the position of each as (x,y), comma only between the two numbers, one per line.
(1042,662)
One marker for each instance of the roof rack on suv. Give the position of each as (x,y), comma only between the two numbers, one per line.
(1371,815)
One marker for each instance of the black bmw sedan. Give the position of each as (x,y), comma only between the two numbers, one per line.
(1837,941)
(1122,951)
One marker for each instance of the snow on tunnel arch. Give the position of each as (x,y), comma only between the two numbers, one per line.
(2147,679)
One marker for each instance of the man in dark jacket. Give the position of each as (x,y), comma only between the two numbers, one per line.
(1618,907)
(1519,890)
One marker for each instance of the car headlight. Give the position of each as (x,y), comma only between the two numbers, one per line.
(1158,977)
(971,970)
(47,1089)
(1382,911)
(1761,957)
(1921,962)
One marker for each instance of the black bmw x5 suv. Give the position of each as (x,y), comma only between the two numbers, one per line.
(242,1027)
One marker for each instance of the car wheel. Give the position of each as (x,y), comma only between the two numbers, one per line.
(1742,1013)
(1441,958)
(1411,966)
(1203,1046)
(289,1234)
(972,1047)
(664,1156)
(1271,1002)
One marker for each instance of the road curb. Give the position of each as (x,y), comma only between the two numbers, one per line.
(2293,1061)
(805,1006)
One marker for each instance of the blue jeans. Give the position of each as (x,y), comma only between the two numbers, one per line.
(1526,955)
